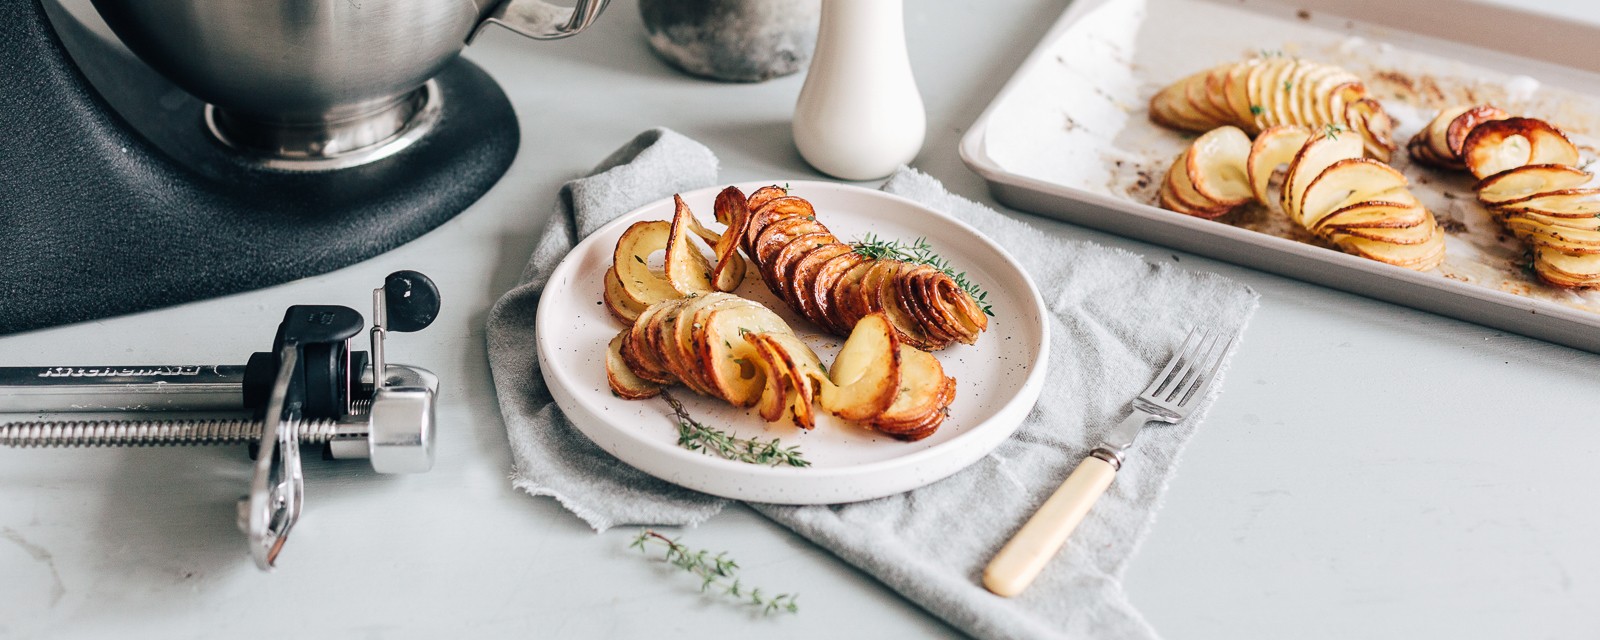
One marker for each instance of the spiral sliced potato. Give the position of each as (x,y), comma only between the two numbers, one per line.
(1528,176)
(1260,93)
(1209,179)
(631,285)
(727,347)
(827,282)
(1359,204)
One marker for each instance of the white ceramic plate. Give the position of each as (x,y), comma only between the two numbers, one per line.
(998,379)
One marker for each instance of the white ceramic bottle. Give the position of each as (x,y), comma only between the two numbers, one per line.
(859,114)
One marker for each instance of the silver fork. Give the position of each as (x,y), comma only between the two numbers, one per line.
(1169,399)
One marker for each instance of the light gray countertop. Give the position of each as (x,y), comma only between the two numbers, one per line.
(1370,471)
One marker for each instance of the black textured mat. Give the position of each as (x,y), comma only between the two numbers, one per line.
(95,221)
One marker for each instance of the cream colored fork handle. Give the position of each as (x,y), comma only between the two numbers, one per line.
(1021,560)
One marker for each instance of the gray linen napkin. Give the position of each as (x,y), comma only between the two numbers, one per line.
(1115,319)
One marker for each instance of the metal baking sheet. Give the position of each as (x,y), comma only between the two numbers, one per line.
(1069,137)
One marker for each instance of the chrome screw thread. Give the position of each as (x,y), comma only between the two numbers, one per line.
(153,433)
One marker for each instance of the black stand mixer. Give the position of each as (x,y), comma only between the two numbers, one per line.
(308,136)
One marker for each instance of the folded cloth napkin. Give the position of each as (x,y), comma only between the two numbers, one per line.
(1115,319)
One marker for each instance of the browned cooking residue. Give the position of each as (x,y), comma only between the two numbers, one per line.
(1399,80)
(1449,224)
(1420,89)
(1140,189)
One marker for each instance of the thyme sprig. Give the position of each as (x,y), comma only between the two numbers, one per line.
(920,252)
(716,572)
(695,436)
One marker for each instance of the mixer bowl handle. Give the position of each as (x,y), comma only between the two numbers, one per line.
(541,20)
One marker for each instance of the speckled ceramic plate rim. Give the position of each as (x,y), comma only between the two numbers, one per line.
(789,485)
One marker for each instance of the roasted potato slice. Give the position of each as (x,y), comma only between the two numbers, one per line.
(922,390)
(1591,224)
(1261,93)
(762,196)
(1170,107)
(1216,166)
(621,379)
(1344,183)
(728,358)
(631,262)
(1184,199)
(1498,145)
(935,308)
(687,331)
(847,296)
(1564,239)
(1184,192)
(1197,92)
(1167,198)
(1421,256)
(778,379)
(1367,118)
(1528,176)
(660,338)
(808,374)
(636,351)
(823,285)
(1393,235)
(777,236)
(1563,203)
(1376,214)
(1520,183)
(803,280)
(772,211)
(1455,133)
(731,209)
(1275,147)
(865,377)
(904,300)
(780,269)
(887,297)
(926,424)
(1566,269)
(687,269)
(1321,151)
(618,302)
(794,367)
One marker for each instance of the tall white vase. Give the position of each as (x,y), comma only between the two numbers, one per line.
(859,114)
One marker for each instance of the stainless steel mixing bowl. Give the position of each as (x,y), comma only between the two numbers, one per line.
(321,84)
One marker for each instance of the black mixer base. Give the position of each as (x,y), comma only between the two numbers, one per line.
(96,221)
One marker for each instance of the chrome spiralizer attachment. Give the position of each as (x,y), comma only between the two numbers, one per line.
(310,389)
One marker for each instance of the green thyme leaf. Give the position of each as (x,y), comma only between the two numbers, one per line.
(718,574)
(919,252)
(694,436)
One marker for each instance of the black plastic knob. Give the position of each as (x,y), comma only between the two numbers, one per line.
(412,300)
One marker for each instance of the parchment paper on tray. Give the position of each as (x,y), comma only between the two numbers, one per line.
(1072,127)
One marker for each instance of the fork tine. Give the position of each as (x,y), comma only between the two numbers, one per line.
(1213,360)
(1184,375)
(1190,344)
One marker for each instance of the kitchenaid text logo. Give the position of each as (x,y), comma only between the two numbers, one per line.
(117,372)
